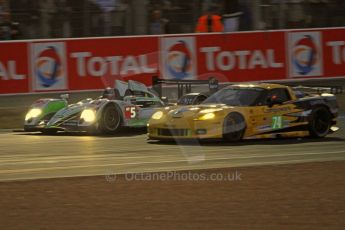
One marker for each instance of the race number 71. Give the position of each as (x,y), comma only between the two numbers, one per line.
(277,122)
(130,112)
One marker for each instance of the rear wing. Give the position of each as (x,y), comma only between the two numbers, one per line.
(183,86)
(121,86)
(312,87)
(319,89)
(137,86)
(134,86)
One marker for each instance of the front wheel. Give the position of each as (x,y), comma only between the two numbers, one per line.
(234,127)
(110,121)
(320,122)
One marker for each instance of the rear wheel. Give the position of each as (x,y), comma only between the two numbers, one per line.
(110,121)
(234,127)
(320,122)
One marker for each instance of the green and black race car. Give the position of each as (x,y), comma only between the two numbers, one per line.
(128,105)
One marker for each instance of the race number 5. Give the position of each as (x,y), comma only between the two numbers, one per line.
(130,112)
(277,122)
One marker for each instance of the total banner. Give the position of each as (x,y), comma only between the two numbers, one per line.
(14,66)
(95,63)
(316,53)
(242,56)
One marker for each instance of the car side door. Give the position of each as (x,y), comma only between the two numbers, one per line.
(272,113)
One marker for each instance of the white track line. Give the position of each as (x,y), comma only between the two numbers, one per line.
(162,162)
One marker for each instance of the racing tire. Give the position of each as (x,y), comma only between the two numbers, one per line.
(320,122)
(234,127)
(110,121)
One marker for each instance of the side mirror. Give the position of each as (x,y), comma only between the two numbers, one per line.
(64,96)
(274,101)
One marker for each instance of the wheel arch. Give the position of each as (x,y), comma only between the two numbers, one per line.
(235,112)
(109,103)
(325,106)
(312,129)
(242,130)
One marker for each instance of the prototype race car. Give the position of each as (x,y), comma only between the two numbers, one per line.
(249,111)
(128,105)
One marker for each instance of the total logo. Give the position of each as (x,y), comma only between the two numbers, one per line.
(48,66)
(178,58)
(305,54)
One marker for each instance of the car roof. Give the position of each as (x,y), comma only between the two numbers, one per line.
(258,85)
(208,93)
(191,94)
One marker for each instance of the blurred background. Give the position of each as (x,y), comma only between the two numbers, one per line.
(32,19)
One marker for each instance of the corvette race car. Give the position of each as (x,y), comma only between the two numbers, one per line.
(128,105)
(249,111)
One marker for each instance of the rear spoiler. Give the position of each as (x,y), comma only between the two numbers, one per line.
(134,86)
(184,86)
(320,89)
(137,86)
(313,88)
(121,86)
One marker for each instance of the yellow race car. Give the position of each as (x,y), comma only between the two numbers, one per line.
(249,111)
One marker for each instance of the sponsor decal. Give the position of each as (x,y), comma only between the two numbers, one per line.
(305,54)
(130,112)
(277,110)
(9,71)
(338,52)
(277,122)
(178,60)
(225,60)
(264,127)
(96,66)
(48,65)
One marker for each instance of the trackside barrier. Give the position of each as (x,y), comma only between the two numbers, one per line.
(55,65)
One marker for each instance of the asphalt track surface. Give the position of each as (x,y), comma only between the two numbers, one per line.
(33,155)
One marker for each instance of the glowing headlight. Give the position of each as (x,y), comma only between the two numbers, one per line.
(157,115)
(33,113)
(207,116)
(88,115)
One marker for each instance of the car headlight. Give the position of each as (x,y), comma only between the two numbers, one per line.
(33,113)
(157,115)
(206,116)
(88,115)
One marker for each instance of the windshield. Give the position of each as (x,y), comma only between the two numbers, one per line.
(186,100)
(235,96)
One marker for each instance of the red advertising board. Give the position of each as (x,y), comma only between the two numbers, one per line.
(95,63)
(316,53)
(242,56)
(13,67)
(334,52)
